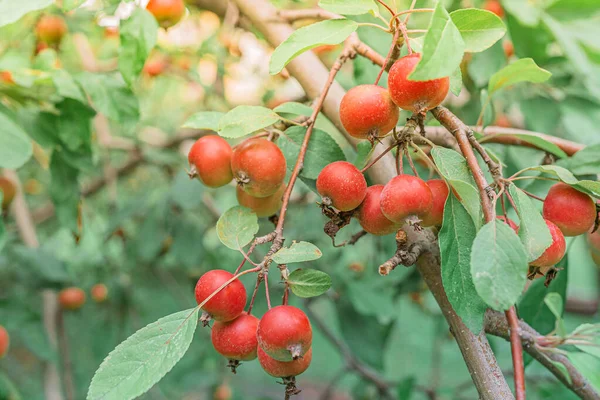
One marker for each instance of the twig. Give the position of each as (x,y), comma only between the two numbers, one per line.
(389,55)
(351,361)
(65,356)
(266,278)
(496,324)
(309,13)
(27,231)
(517,353)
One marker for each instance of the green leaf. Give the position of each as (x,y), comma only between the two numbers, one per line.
(584,162)
(589,366)
(498,265)
(297,252)
(2,228)
(322,150)
(480,29)
(68,5)
(593,347)
(564,175)
(573,9)
(455,239)
(456,82)
(331,31)
(138,363)
(244,120)
(292,107)
(309,282)
(563,370)
(590,187)
(528,13)
(138,37)
(112,97)
(406,388)
(349,7)
(237,227)
(454,168)
(443,48)
(64,190)
(536,141)
(364,150)
(11,11)
(67,86)
(523,70)
(533,231)
(485,64)
(555,304)
(15,146)
(42,263)
(204,120)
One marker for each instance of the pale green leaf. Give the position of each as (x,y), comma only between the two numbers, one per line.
(11,10)
(294,108)
(138,37)
(443,48)
(297,252)
(533,231)
(349,7)
(237,227)
(523,70)
(204,120)
(244,120)
(15,146)
(480,29)
(555,304)
(498,265)
(331,31)
(138,363)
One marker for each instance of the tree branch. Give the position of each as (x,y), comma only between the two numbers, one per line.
(495,324)
(27,231)
(464,137)
(310,72)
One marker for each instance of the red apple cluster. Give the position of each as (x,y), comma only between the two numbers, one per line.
(257,164)
(281,339)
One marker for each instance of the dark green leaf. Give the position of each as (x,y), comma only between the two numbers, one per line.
(532,308)
(42,263)
(523,70)
(322,150)
(406,388)
(456,239)
(443,48)
(64,190)
(479,29)
(237,227)
(331,31)
(297,252)
(356,327)
(204,120)
(135,365)
(138,37)
(243,120)
(454,168)
(309,282)
(483,65)
(498,265)
(533,231)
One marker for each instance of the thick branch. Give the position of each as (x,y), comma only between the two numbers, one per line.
(496,324)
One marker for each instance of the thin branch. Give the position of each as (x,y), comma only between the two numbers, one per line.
(351,361)
(517,353)
(308,13)
(496,324)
